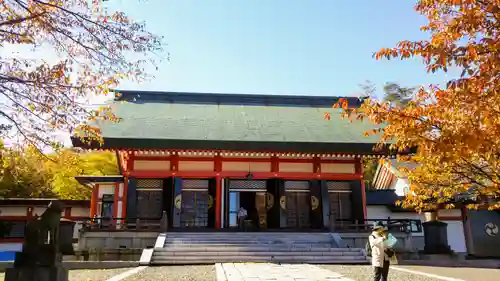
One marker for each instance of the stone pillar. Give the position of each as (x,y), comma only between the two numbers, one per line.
(435,235)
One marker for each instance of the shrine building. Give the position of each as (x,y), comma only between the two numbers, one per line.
(198,158)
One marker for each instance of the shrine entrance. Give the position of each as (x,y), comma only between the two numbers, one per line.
(193,204)
(271,205)
(251,195)
(149,199)
(298,205)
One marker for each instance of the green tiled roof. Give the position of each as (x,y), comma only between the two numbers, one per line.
(150,119)
(232,123)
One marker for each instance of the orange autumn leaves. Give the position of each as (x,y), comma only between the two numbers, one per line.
(79,51)
(455,127)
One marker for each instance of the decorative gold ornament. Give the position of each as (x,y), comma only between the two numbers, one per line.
(262,220)
(314,203)
(210,201)
(283,202)
(269,200)
(178,201)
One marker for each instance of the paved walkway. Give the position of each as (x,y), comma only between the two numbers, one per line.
(275,272)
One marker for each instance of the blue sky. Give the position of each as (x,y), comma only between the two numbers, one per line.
(279,46)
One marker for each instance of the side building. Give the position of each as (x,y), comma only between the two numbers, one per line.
(16,212)
(471,232)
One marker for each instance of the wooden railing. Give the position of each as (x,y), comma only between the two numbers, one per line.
(394,225)
(125,224)
(160,224)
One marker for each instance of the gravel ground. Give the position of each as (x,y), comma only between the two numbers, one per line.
(364,273)
(464,273)
(87,275)
(177,273)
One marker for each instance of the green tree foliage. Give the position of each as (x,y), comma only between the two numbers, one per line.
(67,164)
(27,173)
(22,174)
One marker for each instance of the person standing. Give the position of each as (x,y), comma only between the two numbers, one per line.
(379,252)
(242,215)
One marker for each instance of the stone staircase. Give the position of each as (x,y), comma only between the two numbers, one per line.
(280,247)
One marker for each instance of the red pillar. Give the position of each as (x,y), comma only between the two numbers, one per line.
(124,197)
(94,201)
(218,201)
(218,191)
(359,170)
(67,212)
(116,196)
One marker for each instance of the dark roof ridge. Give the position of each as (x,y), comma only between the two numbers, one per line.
(233,99)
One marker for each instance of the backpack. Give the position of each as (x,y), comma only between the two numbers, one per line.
(368,247)
(390,252)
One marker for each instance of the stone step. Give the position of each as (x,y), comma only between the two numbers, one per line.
(233,235)
(247,248)
(253,254)
(281,259)
(248,239)
(264,233)
(251,246)
(238,237)
(235,242)
(208,248)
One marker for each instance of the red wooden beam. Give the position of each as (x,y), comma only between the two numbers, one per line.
(130,161)
(153,158)
(218,164)
(174,163)
(242,175)
(179,151)
(275,164)
(316,165)
(243,159)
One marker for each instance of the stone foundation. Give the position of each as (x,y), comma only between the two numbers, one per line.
(105,255)
(116,240)
(37,273)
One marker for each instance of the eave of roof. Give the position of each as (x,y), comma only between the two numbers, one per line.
(387,198)
(98,179)
(233,99)
(263,146)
